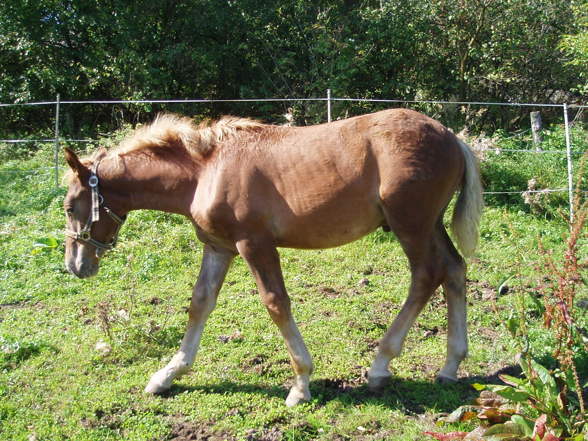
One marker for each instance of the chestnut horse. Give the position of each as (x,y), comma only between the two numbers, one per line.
(249,188)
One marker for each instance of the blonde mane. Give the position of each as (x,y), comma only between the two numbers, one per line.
(168,130)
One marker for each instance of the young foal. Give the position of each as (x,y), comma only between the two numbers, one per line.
(250,188)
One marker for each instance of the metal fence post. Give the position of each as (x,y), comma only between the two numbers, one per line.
(569,156)
(56,155)
(329,105)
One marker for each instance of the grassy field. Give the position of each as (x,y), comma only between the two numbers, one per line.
(57,384)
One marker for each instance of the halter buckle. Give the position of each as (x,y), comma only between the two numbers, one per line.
(85,235)
(93,181)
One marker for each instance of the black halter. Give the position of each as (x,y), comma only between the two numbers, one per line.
(85,234)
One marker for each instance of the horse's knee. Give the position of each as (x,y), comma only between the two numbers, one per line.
(203,302)
(426,278)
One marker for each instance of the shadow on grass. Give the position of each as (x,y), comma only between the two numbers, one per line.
(14,353)
(413,397)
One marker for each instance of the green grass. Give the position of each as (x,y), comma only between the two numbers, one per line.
(56,386)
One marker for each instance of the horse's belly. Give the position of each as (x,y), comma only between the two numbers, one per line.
(328,230)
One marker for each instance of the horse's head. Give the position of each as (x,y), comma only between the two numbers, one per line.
(92,224)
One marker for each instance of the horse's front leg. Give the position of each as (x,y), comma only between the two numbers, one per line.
(264,262)
(213,270)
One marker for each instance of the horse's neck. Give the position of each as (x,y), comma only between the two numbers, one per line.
(151,184)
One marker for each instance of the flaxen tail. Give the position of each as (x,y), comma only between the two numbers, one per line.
(469,205)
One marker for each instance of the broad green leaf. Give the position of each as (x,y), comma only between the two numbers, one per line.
(506,430)
(45,243)
(524,424)
(510,393)
(462,413)
(513,324)
(502,284)
(48,241)
(510,380)
(544,376)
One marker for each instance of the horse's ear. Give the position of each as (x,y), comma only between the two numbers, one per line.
(75,164)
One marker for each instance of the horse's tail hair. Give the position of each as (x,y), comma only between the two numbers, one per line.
(469,205)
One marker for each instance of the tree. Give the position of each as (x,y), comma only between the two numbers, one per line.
(576,46)
(481,50)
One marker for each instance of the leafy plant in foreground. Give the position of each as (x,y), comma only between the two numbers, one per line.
(544,404)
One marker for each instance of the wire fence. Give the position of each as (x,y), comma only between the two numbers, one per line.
(57,140)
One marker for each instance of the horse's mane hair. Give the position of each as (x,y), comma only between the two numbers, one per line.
(168,130)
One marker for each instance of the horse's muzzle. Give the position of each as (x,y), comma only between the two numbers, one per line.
(84,270)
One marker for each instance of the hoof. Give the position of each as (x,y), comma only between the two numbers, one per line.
(376,384)
(296,397)
(159,383)
(155,389)
(442,379)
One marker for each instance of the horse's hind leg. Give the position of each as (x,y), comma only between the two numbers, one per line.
(213,270)
(424,280)
(455,292)
(433,261)
(264,262)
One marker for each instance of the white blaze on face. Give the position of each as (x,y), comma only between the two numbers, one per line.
(81,259)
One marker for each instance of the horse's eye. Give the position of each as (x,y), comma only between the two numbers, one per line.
(69,211)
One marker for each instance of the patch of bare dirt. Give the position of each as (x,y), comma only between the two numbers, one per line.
(21,304)
(273,434)
(192,431)
(101,419)
(339,385)
(236,336)
(257,364)
(490,334)
(485,292)
(329,291)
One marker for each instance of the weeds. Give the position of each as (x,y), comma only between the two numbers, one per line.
(104,318)
(119,322)
(544,404)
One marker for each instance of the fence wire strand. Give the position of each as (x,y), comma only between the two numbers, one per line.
(329,99)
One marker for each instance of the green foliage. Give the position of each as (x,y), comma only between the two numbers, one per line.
(576,45)
(507,167)
(482,50)
(540,395)
(547,401)
(45,244)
